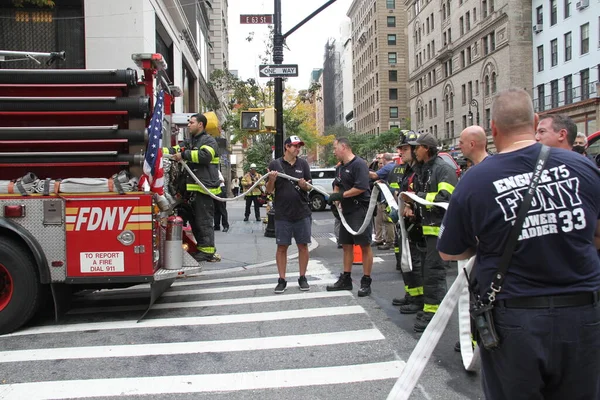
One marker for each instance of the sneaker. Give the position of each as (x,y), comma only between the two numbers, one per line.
(246,219)
(365,286)
(226,229)
(422,323)
(281,285)
(402,301)
(344,282)
(303,283)
(217,228)
(257,219)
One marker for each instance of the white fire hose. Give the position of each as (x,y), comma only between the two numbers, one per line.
(377,188)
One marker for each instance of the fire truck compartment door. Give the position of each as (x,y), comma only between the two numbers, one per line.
(107,236)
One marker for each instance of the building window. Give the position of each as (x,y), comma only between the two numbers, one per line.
(491,2)
(486,48)
(469,55)
(393,75)
(568,89)
(584,74)
(493,41)
(390,4)
(541,97)
(477,87)
(553,52)
(585,38)
(444,11)
(464,94)
(391,22)
(468,21)
(462,59)
(462,27)
(539,15)
(474,15)
(470,86)
(554,93)
(431,17)
(393,94)
(568,46)
(488,117)
(393,112)
(553,13)
(486,86)
(435,107)
(494,87)
(484,11)
(391,40)
(392,58)
(567,8)
(540,57)
(464,121)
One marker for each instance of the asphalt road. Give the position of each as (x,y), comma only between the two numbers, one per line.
(225,335)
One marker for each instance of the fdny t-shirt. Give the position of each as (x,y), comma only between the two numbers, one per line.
(555,252)
(353,174)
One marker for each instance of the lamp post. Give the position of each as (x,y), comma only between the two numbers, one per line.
(474,103)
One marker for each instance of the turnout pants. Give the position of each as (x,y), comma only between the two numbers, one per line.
(413,281)
(202,224)
(434,276)
(249,201)
(221,217)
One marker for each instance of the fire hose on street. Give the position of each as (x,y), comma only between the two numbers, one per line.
(458,292)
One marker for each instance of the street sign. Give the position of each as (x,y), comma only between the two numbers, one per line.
(256,19)
(278,71)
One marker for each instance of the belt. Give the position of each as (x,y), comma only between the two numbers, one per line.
(558,301)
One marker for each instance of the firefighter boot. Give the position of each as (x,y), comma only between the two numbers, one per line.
(365,286)
(344,282)
(414,306)
(421,324)
(401,301)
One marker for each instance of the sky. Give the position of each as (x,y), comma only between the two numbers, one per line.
(306,45)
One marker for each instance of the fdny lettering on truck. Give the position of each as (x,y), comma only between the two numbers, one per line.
(108,218)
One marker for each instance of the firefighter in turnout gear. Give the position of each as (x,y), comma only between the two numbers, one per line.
(434,181)
(201,153)
(413,281)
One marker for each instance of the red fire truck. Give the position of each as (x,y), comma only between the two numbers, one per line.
(72,141)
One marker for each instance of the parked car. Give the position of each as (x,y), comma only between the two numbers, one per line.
(448,158)
(322,178)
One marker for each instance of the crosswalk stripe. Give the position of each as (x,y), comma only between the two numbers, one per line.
(170,293)
(212,303)
(155,349)
(158,385)
(193,321)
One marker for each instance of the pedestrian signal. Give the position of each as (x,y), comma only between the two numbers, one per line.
(250,120)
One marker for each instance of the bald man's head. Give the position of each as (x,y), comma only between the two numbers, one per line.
(512,112)
(472,142)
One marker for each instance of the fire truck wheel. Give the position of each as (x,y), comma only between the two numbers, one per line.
(20,288)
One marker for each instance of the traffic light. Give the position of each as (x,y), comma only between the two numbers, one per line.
(250,120)
(270,118)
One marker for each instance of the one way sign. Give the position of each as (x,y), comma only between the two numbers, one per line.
(278,71)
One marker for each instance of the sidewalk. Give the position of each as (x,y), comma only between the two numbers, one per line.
(245,244)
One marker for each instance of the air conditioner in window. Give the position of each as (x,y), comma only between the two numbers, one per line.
(580,5)
(537,28)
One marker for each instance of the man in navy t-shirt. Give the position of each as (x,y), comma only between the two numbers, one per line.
(547,313)
(351,190)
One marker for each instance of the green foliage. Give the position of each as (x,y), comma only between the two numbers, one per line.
(260,153)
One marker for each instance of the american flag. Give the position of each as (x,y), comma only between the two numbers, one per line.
(153,169)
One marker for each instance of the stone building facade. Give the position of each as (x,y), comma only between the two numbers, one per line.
(461,53)
(380,65)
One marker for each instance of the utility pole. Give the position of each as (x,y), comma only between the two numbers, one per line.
(278,40)
(278,59)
